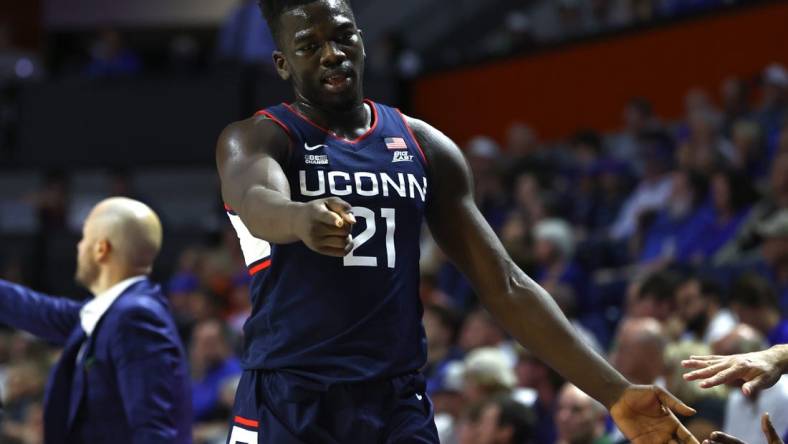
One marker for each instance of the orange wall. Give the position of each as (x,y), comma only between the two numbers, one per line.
(587,84)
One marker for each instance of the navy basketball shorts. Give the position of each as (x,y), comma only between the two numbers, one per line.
(282,408)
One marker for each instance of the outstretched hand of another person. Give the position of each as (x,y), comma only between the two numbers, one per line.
(759,370)
(766,425)
(644,414)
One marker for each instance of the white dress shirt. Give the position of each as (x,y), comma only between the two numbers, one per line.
(92,312)
(743,415)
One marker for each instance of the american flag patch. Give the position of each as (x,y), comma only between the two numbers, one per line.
(396,143)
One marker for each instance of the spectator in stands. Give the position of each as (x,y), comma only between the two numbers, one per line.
(580,419)
(747,156)
(483,157)
(440,325)
(528,198)
(674,226)
(216,431)
(536,375)
(612,188)
(638,119)
(181,290)
(735,103)
(638,351)
(747,239)
(782,139)
(212,363)
(240,302)
(586,199)
(732,197)
(654,297)
(503,420)
(773,262)
(754,301)
(699,305)
(774,98)
(467,430)
(24,389)
(109,57)
(703,150)
(487,373)
(742,414)
(554,250)
(522,142)
(446,393)
(654,189)
(480,330)
(709,404)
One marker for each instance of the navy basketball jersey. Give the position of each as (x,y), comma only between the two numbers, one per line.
(356,318)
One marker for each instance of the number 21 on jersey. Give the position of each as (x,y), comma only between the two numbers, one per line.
(369,216)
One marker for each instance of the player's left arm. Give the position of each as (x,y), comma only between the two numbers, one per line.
(522,307)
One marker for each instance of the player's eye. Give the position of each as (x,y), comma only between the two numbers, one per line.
(307,48)
(348,37)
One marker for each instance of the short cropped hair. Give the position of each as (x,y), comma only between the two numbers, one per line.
(273,9)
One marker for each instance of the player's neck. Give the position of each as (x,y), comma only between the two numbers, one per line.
(348,124)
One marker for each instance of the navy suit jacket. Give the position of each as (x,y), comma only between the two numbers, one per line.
(131,384)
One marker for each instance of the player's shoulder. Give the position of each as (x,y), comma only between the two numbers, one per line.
(253,135)
(436,144)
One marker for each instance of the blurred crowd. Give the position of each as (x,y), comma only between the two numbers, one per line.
(659,241)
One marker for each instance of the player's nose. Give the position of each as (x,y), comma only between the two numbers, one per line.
(332,55)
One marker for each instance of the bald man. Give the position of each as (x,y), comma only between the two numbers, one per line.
(639,349)
(580,419)
(122,376)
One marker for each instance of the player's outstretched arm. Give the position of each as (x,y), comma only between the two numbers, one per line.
(45,316)
(525,309)
(249,158)
(760,369)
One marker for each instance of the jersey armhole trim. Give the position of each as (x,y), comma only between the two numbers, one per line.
(259,266)
(413,136)
(289,133)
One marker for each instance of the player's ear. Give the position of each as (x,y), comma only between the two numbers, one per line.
(361,38)
(281,65)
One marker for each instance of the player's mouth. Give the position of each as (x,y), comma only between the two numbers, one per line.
(338,81)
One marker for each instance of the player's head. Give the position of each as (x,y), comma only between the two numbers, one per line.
(121,237)
(321,51)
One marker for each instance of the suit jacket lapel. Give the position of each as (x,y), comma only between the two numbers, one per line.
(78,382)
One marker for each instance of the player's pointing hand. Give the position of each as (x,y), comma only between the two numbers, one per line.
(324,226)
(342,208)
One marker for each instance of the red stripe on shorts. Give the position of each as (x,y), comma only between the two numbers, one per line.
(247,422)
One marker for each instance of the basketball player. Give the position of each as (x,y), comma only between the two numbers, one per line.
(328,195)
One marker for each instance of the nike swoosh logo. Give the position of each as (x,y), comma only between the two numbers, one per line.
(312,148)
